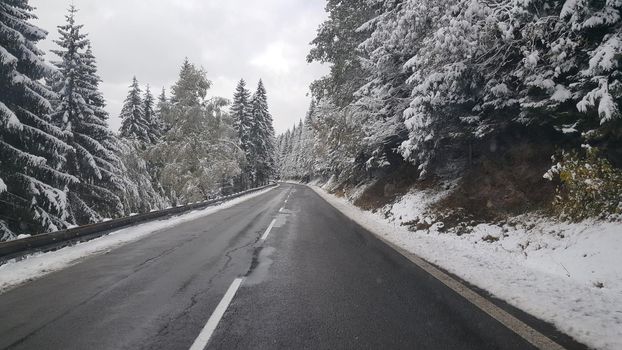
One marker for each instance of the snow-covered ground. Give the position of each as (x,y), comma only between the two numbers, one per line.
(567,274)
(14,273)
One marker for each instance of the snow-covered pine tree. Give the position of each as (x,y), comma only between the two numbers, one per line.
(151,118)
(294,161)
(262,137)
(133,123)
(296,150)
(85,128)
(243,123)
(162,124)
(162,109)
(307,148)
(240,112)
(144,170)
(282,151)
(94,97)
(323,145)
(287,165)
(141,171)
(32,188)
(114,171)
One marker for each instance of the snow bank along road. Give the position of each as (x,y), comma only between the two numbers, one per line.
(283,269)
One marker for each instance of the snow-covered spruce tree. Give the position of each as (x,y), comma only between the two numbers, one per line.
(308,164)
(243,123)
(78,111)
(32,187)
(241,112)
(151,117)
(284,149)
(280,140)
(200,153)
(296,152)
(262,137)
(142,169)
(162,107)
(162,126)
(287,166)
(283,142)
(93,97)
(123,166)
(133,123)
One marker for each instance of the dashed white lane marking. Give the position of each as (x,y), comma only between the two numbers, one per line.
(265,234)
(206,333)
(281,210)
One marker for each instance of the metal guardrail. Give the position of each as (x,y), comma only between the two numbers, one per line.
(55,240)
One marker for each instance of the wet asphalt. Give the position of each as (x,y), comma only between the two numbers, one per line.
(318,281)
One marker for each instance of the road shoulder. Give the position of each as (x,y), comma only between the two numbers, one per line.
(541,333)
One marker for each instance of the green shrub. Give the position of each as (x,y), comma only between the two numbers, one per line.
(589,186)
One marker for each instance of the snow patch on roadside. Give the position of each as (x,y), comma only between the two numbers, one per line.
(14,273)
(567,274)
(414,205)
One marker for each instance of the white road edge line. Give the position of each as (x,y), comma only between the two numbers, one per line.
(517,326)
(206,333)
(265,234)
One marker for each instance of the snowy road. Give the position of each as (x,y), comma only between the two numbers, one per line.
(281,270)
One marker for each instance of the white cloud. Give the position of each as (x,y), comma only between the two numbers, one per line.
(277,58)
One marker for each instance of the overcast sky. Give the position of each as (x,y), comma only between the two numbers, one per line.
(231,39)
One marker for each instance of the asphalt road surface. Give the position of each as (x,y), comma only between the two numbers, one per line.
(307,278)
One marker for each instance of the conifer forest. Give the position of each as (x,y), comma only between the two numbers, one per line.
(60,163)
